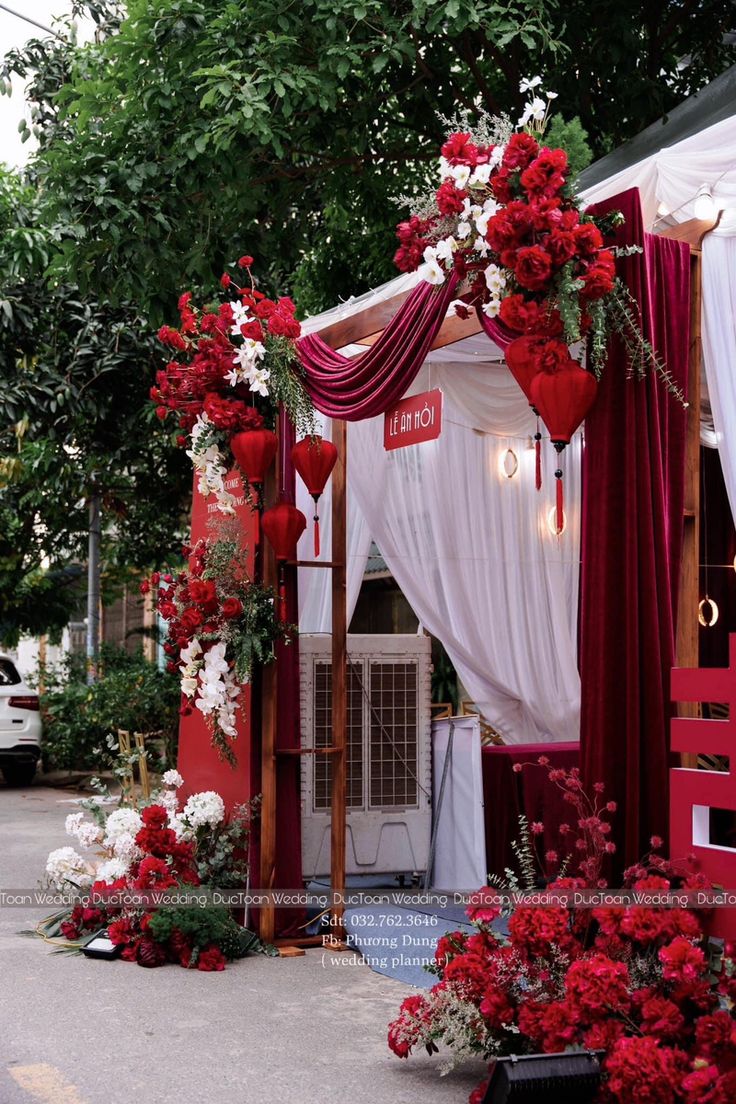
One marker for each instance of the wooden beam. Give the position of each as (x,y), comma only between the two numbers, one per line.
(688,634)
(693,231)
(452,329)
(339,674)
(365,322)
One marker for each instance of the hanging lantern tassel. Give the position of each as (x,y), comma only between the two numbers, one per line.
(538,456)
(560,502)
(316,527)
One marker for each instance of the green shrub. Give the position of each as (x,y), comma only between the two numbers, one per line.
(131,693)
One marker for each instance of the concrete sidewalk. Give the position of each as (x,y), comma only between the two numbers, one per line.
(308,1030)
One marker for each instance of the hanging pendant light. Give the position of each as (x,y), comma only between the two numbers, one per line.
(563,399)
(254,450)
(314,458)
(283,525)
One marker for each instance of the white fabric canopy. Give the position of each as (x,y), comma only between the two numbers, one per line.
(473,552)
(669,182)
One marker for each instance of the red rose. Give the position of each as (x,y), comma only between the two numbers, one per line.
(640,1070)
(599,279)
(191,618)
(460,150)
(502,186)
(661,1018)
(596,986)
(682,961)
(551,356)
(450,198)
(588,238)
(521,149)
(533,267)
(232,607)
(518,313)
(561,246)
(545,175)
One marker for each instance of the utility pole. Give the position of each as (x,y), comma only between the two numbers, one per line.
(93,586)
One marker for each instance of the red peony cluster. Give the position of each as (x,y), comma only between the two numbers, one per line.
(633,981)
(512,214)
(202,379)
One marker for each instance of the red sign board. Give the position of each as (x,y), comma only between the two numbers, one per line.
(413,420)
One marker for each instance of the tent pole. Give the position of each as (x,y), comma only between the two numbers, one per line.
(339,677)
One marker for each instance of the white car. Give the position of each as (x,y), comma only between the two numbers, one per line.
(20,726)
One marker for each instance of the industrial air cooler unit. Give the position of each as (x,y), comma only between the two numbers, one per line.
(389,780)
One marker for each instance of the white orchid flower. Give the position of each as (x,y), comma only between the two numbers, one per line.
(528,83)
(492,307)
(431,272)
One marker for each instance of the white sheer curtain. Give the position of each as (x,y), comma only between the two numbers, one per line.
(719,349)
(315,595)
(472,550)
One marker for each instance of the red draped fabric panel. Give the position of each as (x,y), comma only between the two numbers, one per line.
(353,388)
(633,482)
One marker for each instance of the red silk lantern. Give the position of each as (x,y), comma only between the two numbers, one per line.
(522,365)
(283,525)
(254,450)
(563,399)
(314,458)
(521,362)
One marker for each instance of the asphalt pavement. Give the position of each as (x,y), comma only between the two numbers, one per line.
(308,1030)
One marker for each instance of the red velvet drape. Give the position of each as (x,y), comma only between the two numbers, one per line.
(633,476)
(353,388)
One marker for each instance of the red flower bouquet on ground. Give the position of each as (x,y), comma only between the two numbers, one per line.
(633,981)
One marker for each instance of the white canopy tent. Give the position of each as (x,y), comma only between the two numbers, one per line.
(507,610)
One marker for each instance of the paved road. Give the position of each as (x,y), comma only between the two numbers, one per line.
(76,1031)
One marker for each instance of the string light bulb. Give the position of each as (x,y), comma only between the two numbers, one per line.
(707,612)
(705,206)
(508,464)
(552,522)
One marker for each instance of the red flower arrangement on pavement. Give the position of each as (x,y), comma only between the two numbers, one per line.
(633,981)
(220,622)
(232,365)
(148,858)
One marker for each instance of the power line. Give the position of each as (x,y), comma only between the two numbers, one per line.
(27,19)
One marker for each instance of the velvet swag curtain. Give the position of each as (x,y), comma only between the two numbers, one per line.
(633,472)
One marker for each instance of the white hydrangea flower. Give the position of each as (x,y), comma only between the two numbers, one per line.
(72,823)
(172,777)
(89,834)
(184,832)
(206,808)
(67,870)
(111,870)
(126,849)
(122,822)
(170,801)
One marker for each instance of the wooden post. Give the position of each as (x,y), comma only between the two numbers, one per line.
(269,719)
(689,592)
(339,675)
(687,640)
